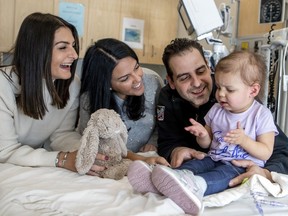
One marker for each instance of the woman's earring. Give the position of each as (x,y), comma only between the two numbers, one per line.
(110,89)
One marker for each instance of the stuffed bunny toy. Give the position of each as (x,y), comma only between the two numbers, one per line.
(105,134)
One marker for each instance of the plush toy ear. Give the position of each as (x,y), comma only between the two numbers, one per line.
(88,150)
(123,141)
(105,122)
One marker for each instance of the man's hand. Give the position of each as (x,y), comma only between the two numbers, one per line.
(181,154)
(251,169)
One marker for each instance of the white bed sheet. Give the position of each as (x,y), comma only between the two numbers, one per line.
(55,191)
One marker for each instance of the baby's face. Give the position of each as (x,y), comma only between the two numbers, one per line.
(232,93)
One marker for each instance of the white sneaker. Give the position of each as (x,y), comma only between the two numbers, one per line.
(139,176)
(180,186)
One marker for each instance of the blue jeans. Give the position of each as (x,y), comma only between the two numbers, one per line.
(217,174)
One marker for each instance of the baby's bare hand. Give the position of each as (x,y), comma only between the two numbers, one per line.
(196,128)
(236,136)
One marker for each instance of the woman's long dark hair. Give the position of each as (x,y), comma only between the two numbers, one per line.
(32,58)
(98,64)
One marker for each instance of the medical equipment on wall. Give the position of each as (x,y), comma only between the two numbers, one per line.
(275,53)
(194,15)
(225,13)
(200,19)
(271,11)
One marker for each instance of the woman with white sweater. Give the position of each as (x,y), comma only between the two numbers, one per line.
(39,96)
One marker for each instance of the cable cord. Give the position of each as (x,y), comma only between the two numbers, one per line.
(284,66)
(272,73)
(269,33)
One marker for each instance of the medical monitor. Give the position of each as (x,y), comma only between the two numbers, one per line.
(200,17)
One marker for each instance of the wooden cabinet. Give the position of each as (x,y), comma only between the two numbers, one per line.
(102,19)
(248,23)
(24,8)
(6,25)
(163,28)
(12,13)
(160,25)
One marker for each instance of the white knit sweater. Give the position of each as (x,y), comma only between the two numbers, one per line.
(23,140)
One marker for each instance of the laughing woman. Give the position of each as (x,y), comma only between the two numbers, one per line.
(112,78)
(39,95)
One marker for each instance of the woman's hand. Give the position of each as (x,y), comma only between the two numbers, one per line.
(71,160)
(156,160)
(148,147)
(95,168)
(150,160)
